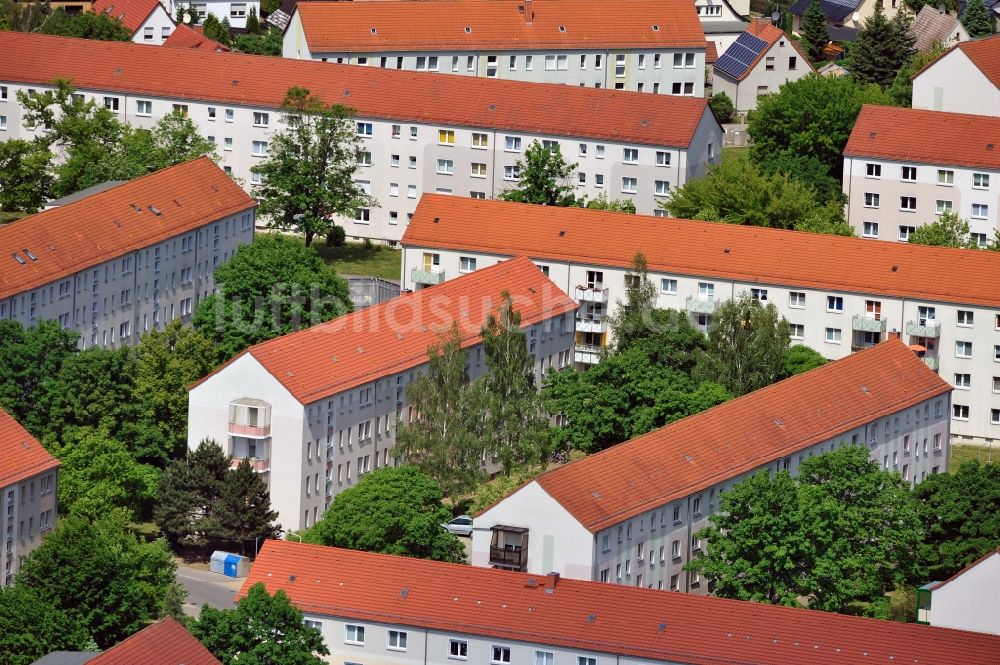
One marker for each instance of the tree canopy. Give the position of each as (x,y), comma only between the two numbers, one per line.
(815,34)
(99,474)
(948,230)
(32,627)
(976,19)
(545,178)
(26,180)
(882,46)
(723,107)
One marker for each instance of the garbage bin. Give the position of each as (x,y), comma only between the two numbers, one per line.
(236,565)
(217,564)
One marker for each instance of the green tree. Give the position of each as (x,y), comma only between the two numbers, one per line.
(747,343)
(843,531)
(26,177)
(28,358)
(723,107)
(976,19)
(101,576)
(261,630)
(189,494)
(267,42)
(269,288)
(308,176)
(394,510)
(86,25)
(173,140)
(901,90)
(244,510)
(815,34)
(99,474)
(881,47)
(443,441)
(24,16)
(808,171)
(800,358)
(31,627)
(602,202)
(631,318)
(958,509)
(949,230)
(213,29)
(545,178)
(253,23)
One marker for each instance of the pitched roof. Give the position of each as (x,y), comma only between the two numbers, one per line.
(394,336)
(985,54)
(507,25)
(705,449)
(711,52)
(262,81)
(706,249)
(741,59)
(926,137)
(165,642)
(103,226)
(932,26)
(21,455)
(184,36)
(132,13)
(988,555)
(594,616)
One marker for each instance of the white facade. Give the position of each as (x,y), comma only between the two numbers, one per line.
(231,10)
(954,82)
(782,62)
(722,20)
(971,599)
(29,512)
(156,28)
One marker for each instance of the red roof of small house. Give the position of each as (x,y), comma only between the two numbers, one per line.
(498,25)
(165,642)
(21,455)
(926,137)
(395,336)
(59,242)
(184,36)
(592,617)
(132,13)
(985,54)
(991,553)
(711,52)
(373,92)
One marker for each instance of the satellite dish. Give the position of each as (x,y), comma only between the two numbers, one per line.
(856,17)
(187,18)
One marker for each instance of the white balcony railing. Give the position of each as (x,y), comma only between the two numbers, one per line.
(868,323)
(587,354)
(595,293)
(701,305)
(591,325)
(923,328)
(427,277)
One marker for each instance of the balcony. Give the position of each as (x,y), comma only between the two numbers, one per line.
(591,325)
(701,305)
(587,354)
(932,361)
(427,277)
(596,293)
(923,328)
(257,464)
(250,431)
(868,323)
(509,548)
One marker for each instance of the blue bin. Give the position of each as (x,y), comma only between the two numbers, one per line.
(231,566)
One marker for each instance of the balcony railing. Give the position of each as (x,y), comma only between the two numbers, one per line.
(925,328)
(593,325)
(257,464)
(251,431)
(934,362)
(596,293)
(867,323)
(588,354)
(427,277)
(701,305)
(509,558)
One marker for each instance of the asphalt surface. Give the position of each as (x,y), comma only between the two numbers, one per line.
(206,587)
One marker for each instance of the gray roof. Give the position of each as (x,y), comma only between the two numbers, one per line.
(722,27)
(84,193)
(835,10)
(932,26)
(67,658)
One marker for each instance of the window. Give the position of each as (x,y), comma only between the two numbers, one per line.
(908,203)
(619,65)
(905,232)
(511,173)
(412,164)
(230,115)
(758,294)
(870,230)
(480,141)
(995,416)
(3,92)
(960,411)
(980,240)
(501,655)
(393,189)
(793,62)
(996,384)
(259,149)
(512,143)
(941,206)
(996,352)
(550,63)
(769,63)
(396,640)
(833,335)
(562,62)
(111,103)
(963,381)
(413,133)
(873,170)
(598,180)
(261,120)
(3,122)
(446,136)
(946,177)
(478,170)
(797,299)
(446,166)
(237,10)
(980,180)
(980,210)
(458,649)
(467,264)
(796,330)
(630,185)
(585,660)
(364,158)
(544,658)
(477,195)
(364,128)
(661,187)
(143,107)
(411,191)
(834,304)
(706,290)
(963,349)
(965,317)
(871,200)
(909,173)
(227,144)
(353,634)
(630,155)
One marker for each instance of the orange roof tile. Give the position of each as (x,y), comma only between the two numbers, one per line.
(184,36)
(103,226)
(764,29)
(132,13)
(165,642)
(705,449)
(394,336)
(706,249)
(501,25)
(711,52)
(21,455)
(926,137)
(262,81)
(593,616)
(985,54)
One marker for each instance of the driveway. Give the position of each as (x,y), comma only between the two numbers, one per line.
(203,587)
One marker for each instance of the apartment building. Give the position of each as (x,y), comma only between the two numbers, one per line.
(655,46)
(760,61)
(419,132)
(838,294)
(968,600)
(903,168)
(28,476)
(964,79)
(630,515)
(128,259)
(147,20)
(317,409)
(376,608)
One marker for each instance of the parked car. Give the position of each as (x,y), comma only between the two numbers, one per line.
(460,526)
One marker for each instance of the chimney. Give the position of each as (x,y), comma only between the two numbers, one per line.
(553,576)
(529,12)
(893,334)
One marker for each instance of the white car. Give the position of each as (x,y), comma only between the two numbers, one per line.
(460,526)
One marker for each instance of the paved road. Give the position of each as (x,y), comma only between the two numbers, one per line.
(206,587)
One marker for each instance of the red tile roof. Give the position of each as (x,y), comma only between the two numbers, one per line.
(103,226)
(498,25)
(165,642)
(262,81)
(972,565)
(21,455)
(593,616)
(985,54)
(926,137)
(711,52)
(184,36)
(394,336)
(707,249)
(133,13)
(764,29)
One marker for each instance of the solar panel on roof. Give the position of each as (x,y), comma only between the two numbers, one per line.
(740,55)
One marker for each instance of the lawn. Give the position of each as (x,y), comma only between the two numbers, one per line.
(361,259)
(961,454)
